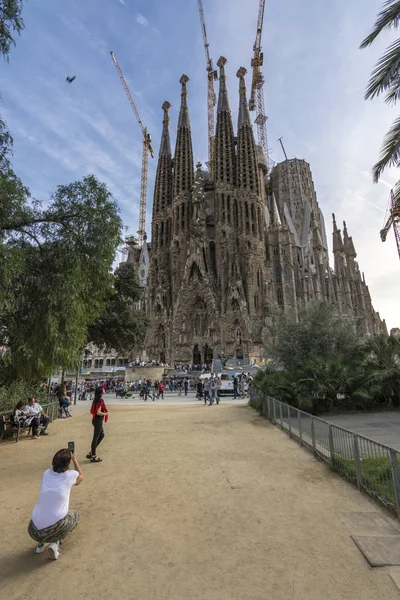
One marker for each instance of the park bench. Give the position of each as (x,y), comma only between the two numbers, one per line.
(9,428)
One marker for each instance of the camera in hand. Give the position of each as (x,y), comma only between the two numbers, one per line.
(71,447)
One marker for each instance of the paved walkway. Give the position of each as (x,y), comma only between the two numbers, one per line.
(383,427)
(190,503)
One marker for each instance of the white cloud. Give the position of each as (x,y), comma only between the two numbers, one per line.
(141,19)
(122,2)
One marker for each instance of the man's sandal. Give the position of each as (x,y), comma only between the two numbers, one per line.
(96,460)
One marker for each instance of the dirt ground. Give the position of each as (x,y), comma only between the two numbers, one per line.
(190,503)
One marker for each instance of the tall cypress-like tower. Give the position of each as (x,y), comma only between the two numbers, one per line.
(159,292)
(252,238)
(182,189)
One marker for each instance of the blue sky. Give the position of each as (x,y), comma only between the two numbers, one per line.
(315,81)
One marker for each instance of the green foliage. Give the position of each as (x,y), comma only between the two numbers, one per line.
(55,269)
(121,326)
(386,78)
(10,22)
(375,472)
(322,366)
(20,390)
(318,332)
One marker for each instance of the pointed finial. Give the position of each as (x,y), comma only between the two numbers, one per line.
(242,72)
(223,102)
(183,120)
(165,145)
(244,115)
(345,229)
(222,62)
(166,106)
(334,222)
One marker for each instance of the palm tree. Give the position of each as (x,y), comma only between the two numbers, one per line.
(386,78)
(382,367)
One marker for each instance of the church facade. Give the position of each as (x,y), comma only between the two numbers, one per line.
(232,243)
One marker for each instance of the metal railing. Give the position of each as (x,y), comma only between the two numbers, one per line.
(371,466)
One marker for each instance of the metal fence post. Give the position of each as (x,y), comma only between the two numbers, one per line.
(289,423)
(274,410)
(314,445)
(280,414)
(394,467)
(357,461)
(300,431)
(331,444)
(269,407)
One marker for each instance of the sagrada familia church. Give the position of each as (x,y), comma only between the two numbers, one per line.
(231,244)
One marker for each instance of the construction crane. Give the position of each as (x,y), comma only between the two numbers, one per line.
(256,101)
(211,97)
(394,219)
(147,149)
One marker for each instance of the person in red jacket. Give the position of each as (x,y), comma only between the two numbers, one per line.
(99,414)
(161,390)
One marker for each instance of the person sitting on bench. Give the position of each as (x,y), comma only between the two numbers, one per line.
(20,418)
(33,409)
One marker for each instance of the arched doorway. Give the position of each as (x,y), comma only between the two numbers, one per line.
(196,355)
(208,355)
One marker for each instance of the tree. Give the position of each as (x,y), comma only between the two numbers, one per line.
(121,326)
(10,22)
(381,368)
(58,277)
(386,78)
(317,333)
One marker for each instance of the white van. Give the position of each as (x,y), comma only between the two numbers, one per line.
(225,387)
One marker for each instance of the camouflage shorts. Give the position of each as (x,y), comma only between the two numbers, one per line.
(55,532)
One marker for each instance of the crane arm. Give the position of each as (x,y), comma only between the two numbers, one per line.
(143,129)
(260,21)
(205,39)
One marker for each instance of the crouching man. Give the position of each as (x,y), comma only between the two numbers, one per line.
(51,519)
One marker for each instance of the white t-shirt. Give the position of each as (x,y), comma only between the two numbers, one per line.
(35,409)
(53,502)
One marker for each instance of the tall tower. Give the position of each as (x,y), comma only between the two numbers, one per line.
(251,210)
(234,325)
(226,208)
(159,292)
(182,189)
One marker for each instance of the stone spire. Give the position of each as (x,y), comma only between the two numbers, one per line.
(247,171)
(316,235)
(163,183)
(165,145)
(223,100)
(198,200)
(348,243)
(183,161)
(225,140)
(275,218)
(337,237)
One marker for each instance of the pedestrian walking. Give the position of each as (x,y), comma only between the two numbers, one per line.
(179,387)
(235,387)
(186,386)
(161,390)
(99,414)
(147,391)
(51,518)
(213,389)
(206,389)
